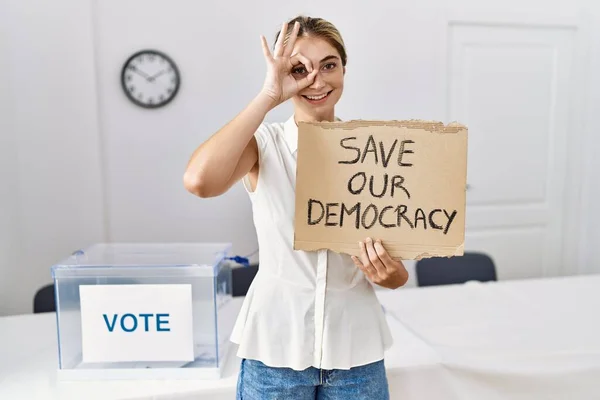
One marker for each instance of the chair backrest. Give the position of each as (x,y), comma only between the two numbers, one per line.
(472,266)
(44,300)
(241,279)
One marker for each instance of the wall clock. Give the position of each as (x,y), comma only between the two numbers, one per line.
(150,79)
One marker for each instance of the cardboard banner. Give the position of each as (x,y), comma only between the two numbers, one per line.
(403,182)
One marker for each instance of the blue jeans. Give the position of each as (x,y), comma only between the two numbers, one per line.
(257,381)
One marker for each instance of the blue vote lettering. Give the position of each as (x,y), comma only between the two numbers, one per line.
(133,328)
(159,322)
(130,322)
(110,326)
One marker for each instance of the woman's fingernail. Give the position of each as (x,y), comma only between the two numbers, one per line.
(369,240)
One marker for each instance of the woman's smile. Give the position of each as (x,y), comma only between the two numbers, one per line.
(317,99)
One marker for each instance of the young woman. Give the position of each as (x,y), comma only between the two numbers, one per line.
(311,325)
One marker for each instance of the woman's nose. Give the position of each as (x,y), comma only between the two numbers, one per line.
(318,83)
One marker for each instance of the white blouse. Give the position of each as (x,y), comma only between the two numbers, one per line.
(303,308)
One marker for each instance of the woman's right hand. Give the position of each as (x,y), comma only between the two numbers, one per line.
(287,74)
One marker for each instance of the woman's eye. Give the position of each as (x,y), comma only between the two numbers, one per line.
(299,70)
(329,66)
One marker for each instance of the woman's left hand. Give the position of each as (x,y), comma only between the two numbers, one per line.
(379,267)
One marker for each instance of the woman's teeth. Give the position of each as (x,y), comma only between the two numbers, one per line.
(319,97)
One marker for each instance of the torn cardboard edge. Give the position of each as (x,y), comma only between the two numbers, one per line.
(428,125)
(397,251)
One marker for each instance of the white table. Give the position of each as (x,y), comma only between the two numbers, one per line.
(530,339)
(534,339)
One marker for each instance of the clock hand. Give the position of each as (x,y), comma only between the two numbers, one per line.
(142,73)
(153,77)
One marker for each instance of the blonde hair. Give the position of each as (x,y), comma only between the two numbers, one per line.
(317,27)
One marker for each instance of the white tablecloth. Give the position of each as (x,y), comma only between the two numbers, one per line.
(531,339)
(534,339)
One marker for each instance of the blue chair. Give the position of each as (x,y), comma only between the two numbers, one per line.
(44,301)
(241,279)
(472,266)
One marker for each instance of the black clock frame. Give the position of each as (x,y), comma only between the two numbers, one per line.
(135,100)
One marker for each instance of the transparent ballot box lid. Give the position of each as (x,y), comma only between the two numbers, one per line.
(144,310)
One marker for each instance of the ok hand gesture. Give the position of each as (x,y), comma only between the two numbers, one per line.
(283,81)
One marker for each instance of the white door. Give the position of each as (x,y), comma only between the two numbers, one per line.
(511,75)
(511,85)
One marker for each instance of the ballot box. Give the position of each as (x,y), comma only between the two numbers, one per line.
(144,311)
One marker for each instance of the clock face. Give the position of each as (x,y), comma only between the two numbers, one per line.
(150,79)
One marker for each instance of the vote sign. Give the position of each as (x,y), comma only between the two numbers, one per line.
(124,323)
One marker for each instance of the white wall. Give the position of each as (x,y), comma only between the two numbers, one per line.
(81,164)
(53,200)
(9,234)
(590,221)
(146,151)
